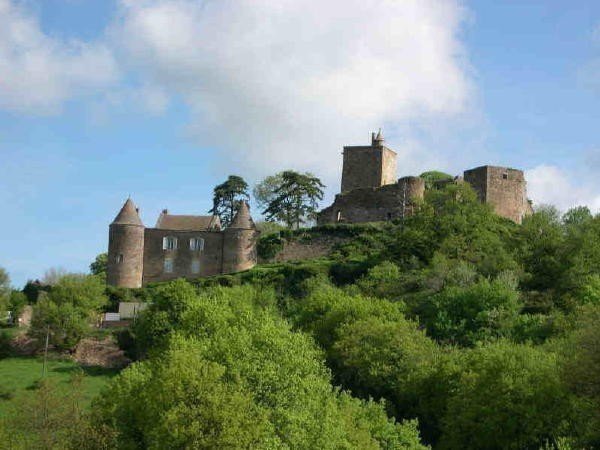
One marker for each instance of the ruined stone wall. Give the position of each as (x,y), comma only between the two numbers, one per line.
(503,188)
(210,258)
(387,202)
(367,167)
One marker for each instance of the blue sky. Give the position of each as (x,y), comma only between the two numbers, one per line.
(162,99)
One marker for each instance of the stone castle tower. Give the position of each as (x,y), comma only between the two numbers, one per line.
(368,166)
(370,192)
(239,248)
(126,248)
(505,189)
(179,246)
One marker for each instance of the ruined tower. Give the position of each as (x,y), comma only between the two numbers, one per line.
(239,242)
(503,188)
(368,166)
(126,248)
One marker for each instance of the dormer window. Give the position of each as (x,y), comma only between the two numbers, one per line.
(196,244)
(169,243)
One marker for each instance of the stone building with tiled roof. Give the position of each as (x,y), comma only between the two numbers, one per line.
(179,246)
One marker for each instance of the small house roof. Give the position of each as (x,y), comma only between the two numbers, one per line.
(128,215)
(187,223)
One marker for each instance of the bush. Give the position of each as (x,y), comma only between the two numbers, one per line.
(227,371)
(508,397)
(6,349)
(268,246)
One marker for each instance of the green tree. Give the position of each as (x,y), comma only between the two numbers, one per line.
(480,312)
(581,371)
(271,380)
(264,192)
(98,267)
(294,200)
(68,310)
(508,397)
(227,197)
(4,283)
(433,176)
(16,304)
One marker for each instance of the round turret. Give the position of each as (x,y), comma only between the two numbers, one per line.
(239,245)
(126,248)
(412,187)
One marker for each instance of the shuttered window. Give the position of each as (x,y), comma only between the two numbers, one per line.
(169,243)
(196,244)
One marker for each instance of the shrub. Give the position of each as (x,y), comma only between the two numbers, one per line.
(508,397)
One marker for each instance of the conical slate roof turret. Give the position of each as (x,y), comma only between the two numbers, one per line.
(128,215)
(243,219)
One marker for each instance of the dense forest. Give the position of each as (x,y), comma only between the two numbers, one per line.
(451,329)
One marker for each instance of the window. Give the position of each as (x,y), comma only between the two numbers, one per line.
(196,244)
(389,216)
(119,258)
(168,267)
(195,266)
(505,176)
(169,243)
(338,216)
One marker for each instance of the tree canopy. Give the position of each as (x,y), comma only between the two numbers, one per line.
(291,197)
(227,197)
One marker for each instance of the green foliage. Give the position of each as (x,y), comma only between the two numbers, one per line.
(268,246)
(32,290)
(293,199)
(66,312)
(480,312)
(581,370)
(227,197)
(507,397)
(433,176)
(82,291)
(98,267)
(16,304)
(6,338)
(65,324)
(269,228)
(4,282)
(230,364)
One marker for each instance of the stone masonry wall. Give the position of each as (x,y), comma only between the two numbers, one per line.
(501,187)
(154,256)
(374,204)
(125,255)
(367,166)
(298,249)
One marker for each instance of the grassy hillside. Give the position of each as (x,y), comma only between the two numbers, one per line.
(19,377)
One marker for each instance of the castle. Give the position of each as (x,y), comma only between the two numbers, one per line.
(178,246)
(371,193)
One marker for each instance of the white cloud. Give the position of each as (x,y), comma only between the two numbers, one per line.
(287,82)
(38,73)
(548,184)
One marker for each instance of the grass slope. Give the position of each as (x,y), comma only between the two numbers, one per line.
(19,375)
